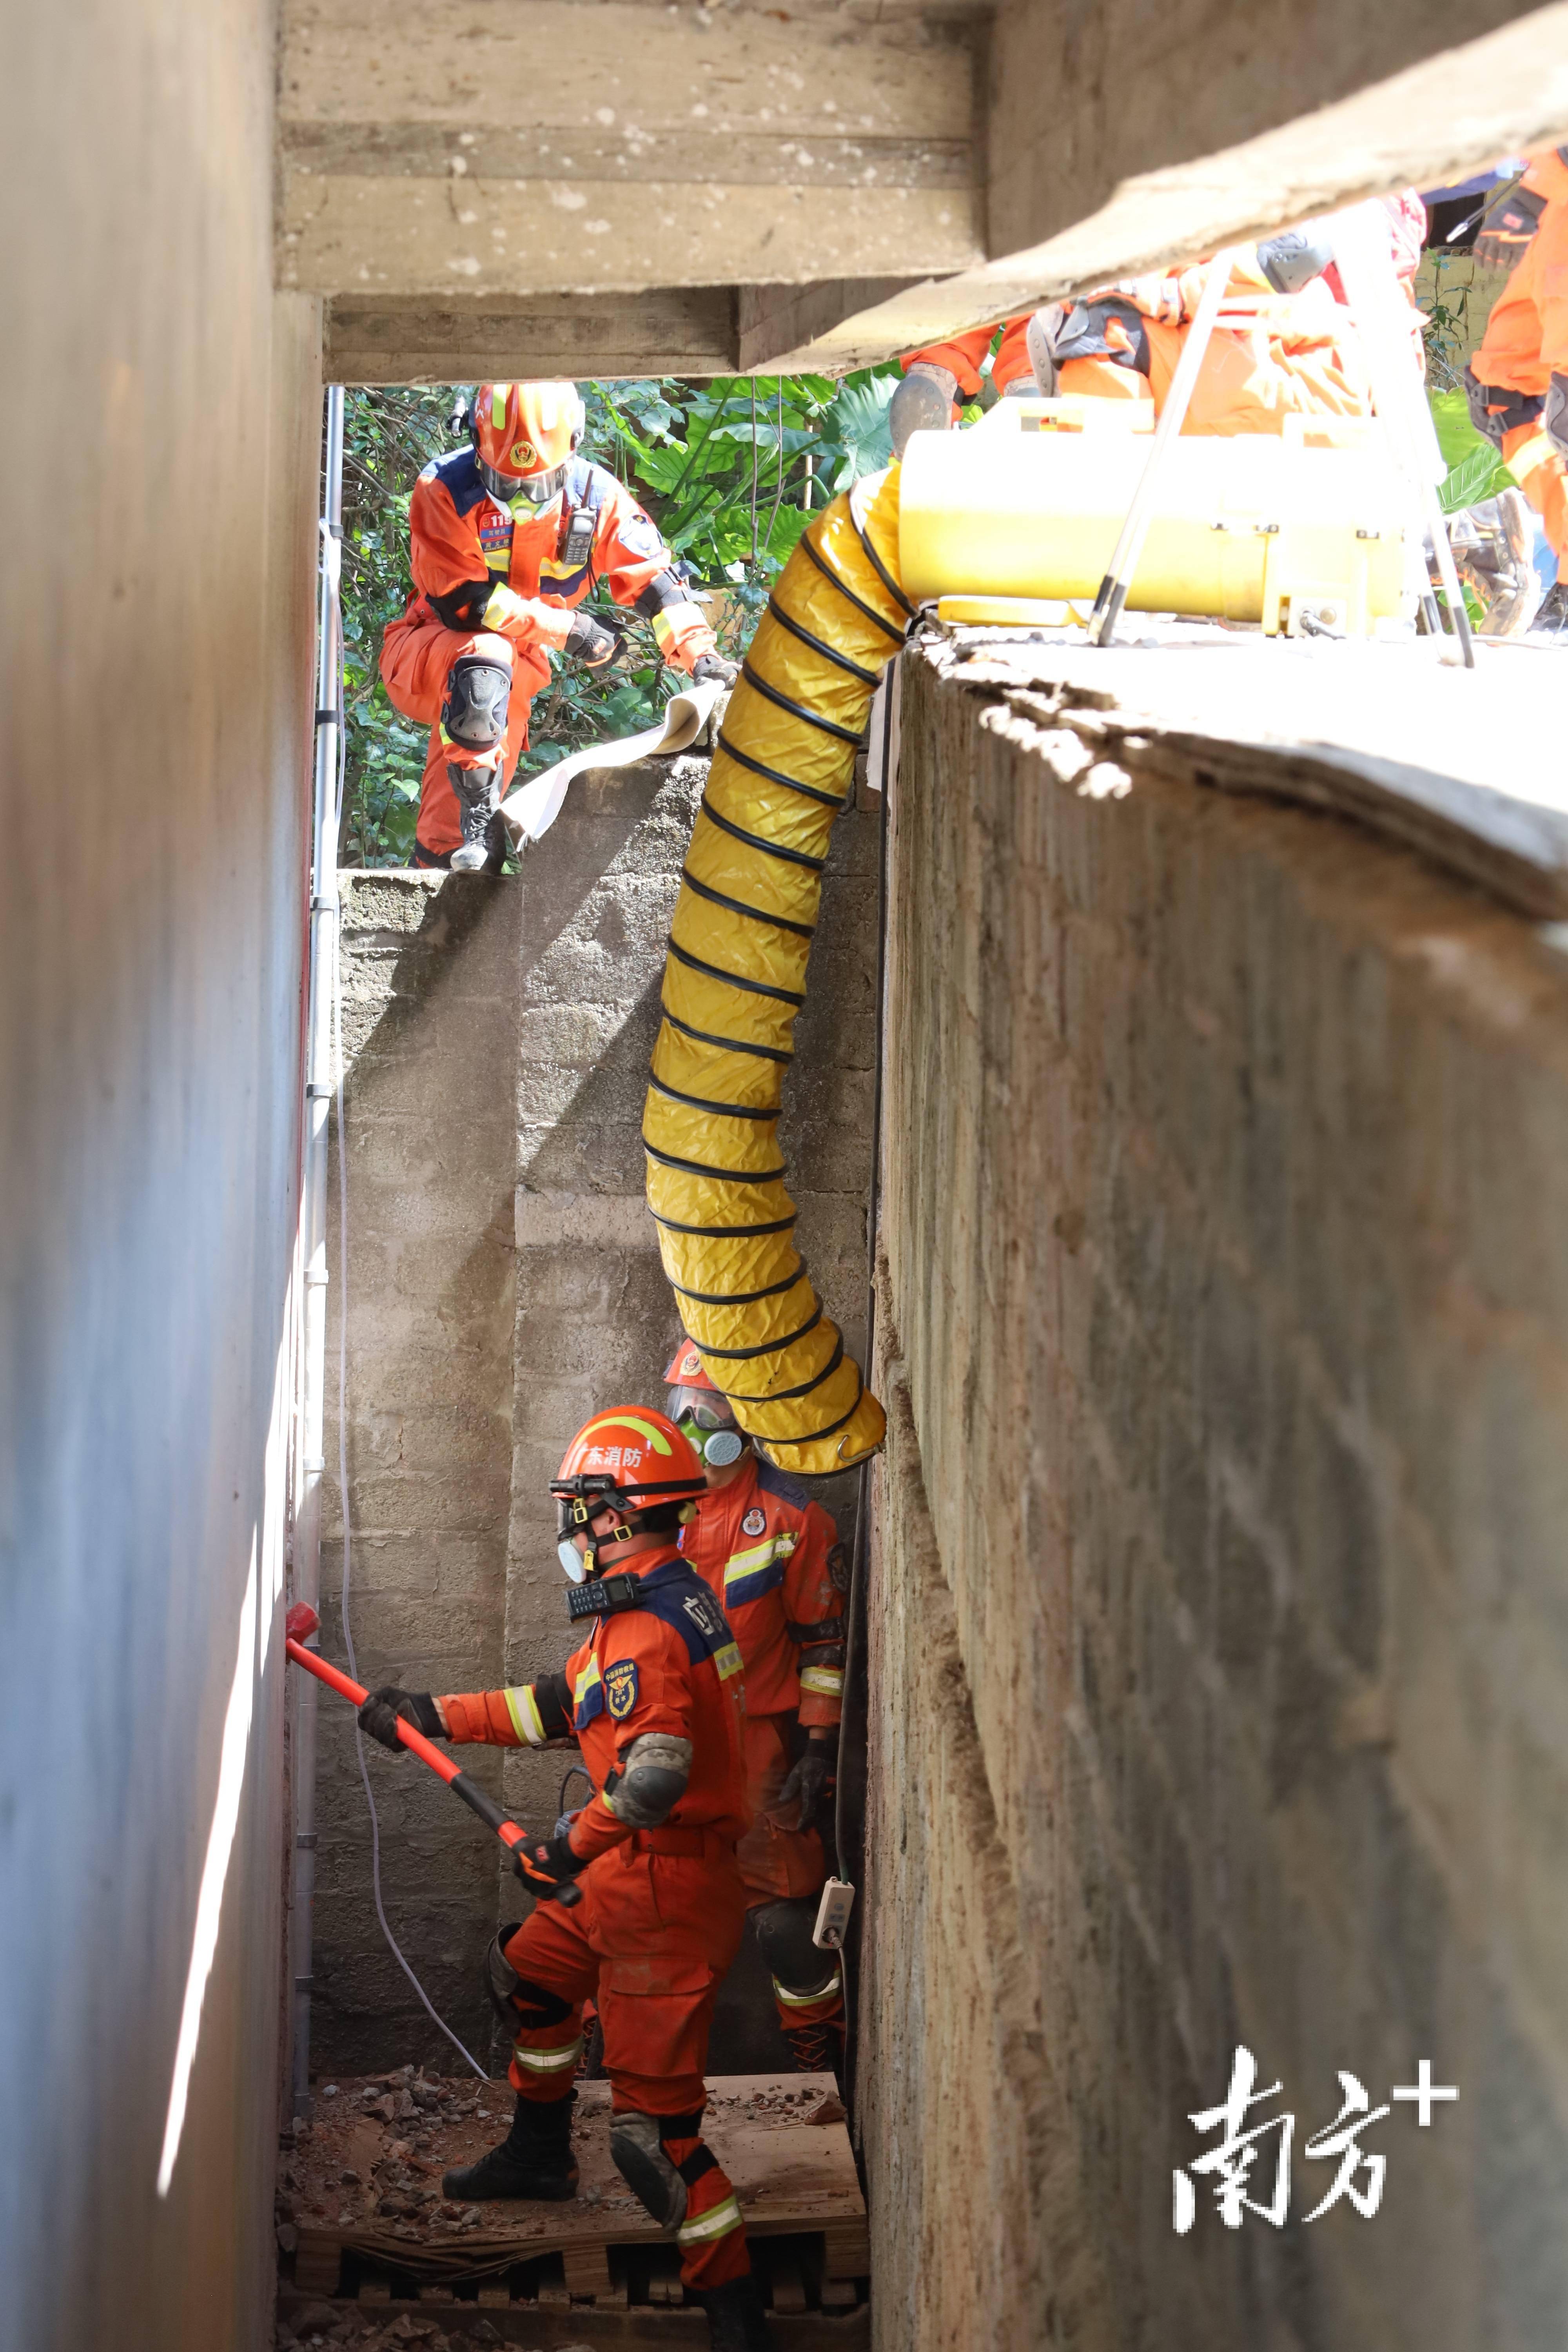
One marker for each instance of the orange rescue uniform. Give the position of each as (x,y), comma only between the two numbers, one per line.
(772,1559)
(962,355)
(662,1910)
(1526,344)
(502,586)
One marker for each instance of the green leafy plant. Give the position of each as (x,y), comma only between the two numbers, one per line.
(730,470)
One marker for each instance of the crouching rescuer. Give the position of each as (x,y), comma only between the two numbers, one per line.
(654,1700)
(772,1559)
(507,537)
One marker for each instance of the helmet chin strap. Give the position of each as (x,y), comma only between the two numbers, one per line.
(582,1565)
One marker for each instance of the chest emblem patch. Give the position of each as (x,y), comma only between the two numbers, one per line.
(754,1521)
(621,1687)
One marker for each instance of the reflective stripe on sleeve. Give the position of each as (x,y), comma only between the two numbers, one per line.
(718,2223)
(727,1661)
(671,620)
(548,2062)
(827,1682)
(523,1709)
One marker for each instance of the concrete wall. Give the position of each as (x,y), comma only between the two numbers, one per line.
(504,1279)
(163,417)
(1218,1668)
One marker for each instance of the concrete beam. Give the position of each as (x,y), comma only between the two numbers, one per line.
(535,146)
(775,324)
(413,339)
(1484,100)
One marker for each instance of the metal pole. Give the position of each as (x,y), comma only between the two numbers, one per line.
(308,1453)
(1113,588)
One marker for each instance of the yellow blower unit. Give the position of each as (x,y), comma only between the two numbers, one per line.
(1304,526)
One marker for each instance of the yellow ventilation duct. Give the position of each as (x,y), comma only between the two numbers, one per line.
(735,978)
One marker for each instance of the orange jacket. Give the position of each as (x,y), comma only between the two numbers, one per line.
(1526,341)
(477,567)
(772,1558)
(666,1663)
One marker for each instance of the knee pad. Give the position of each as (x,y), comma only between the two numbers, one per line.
(515,1999)
(479,696)
(638,2155)
(784,1932)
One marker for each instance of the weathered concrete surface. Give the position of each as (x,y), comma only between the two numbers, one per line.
(430,983)
(505,1280)
(164,418)
(1218,1664)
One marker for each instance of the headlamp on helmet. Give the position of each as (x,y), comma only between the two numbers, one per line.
(633,1464)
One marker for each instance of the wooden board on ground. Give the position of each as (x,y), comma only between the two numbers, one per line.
(364,2178)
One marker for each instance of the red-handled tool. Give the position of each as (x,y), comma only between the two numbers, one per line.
(303,1622)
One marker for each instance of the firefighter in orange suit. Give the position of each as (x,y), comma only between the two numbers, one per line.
(654,1700)
(507,537)
(1517,380)
(771,1557)
(937,375)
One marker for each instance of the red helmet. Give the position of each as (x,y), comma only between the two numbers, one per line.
(632,1461)
(523,435)
(685,1369)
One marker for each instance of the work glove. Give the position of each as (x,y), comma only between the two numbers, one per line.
(382,1709)
(810,1781)
(548,1865)
(712,670)
(590,641)
(1508,228)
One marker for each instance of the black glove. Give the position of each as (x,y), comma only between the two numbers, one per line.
(590,641)
(547,1865)
(810,1780)
(380,1710)
(1509,229)
(712,670)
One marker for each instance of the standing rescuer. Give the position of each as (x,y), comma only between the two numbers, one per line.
(772,1559)
(1517,380)
(506,536)
(654,1699)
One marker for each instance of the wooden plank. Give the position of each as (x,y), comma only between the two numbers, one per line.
(846,2250)
(319,2262)
(588,2272)
(788,2286)
(422,148)
(1498,95)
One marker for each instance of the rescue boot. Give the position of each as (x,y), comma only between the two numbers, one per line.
(737,2321)
(534,2160)
(483,844)
(922,403)
(817,2049)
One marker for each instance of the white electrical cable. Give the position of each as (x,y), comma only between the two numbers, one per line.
(344,1491)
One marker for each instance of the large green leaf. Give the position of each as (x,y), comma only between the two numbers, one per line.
(1475,470)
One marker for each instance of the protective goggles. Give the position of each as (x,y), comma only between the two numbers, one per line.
(513,490)
(707,1424)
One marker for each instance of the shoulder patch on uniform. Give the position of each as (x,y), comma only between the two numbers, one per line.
(460,477)
(775,1481)
(755,1521)
(621,1687)
(640,537)
(838,1568)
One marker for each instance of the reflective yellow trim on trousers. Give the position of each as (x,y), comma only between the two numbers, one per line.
(834,1985)
(715,2224)
(1539,451)
(827,1681)
(548,2062)
(523,1709)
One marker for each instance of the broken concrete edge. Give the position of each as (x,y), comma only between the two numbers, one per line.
(1515,851)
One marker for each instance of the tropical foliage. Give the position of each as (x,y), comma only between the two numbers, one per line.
(731,472)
